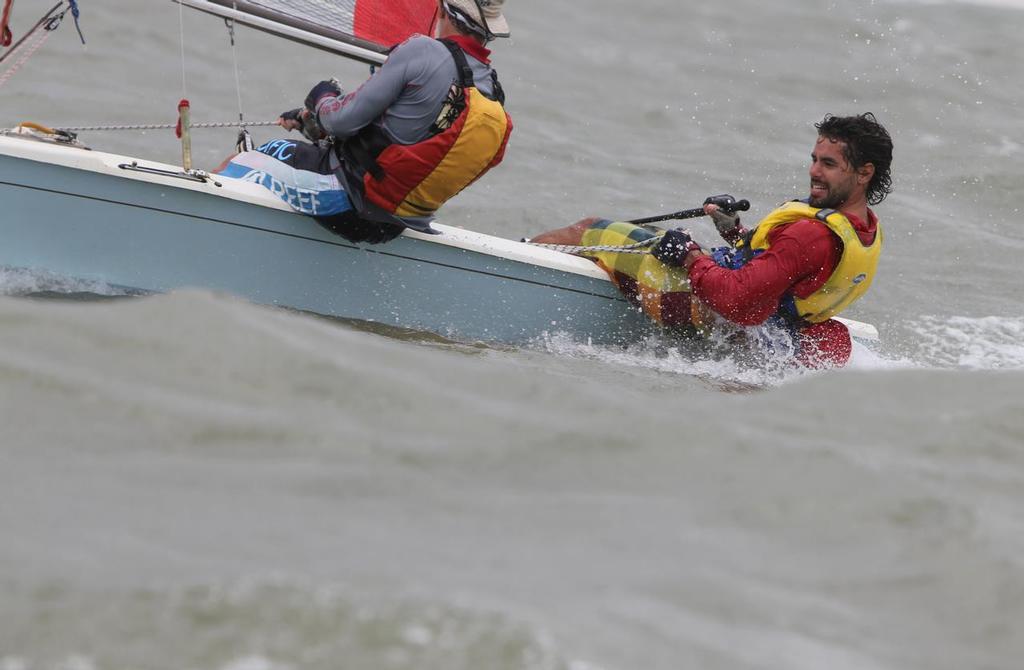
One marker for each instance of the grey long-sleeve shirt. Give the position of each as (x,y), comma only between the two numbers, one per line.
(404,96)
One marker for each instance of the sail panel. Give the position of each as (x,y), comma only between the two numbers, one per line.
(374,25)
(389,22)
(337,15)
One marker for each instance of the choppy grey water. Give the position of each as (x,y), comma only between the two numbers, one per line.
(190,481)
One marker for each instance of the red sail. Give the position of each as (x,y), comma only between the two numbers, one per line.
(389,22)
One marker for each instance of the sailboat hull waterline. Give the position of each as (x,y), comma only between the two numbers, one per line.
(88,215)
(94,216)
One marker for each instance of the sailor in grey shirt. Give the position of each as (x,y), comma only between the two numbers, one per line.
(405,96)
(403,103)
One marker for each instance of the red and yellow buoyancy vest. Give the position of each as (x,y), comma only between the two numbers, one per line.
(414,180)
(852,275)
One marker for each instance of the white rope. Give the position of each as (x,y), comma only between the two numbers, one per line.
(45,35)
(167,126)
(580,250)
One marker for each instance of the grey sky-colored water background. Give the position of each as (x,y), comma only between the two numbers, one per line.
(190,481)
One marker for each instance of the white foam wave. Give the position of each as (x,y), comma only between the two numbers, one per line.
(26,281)
(1009,4)
(712,365)
(227,626)
(981,343)
(864,357)
(254,662)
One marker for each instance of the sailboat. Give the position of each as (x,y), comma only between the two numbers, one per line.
(146,226)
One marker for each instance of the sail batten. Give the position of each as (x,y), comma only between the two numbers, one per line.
(359,29)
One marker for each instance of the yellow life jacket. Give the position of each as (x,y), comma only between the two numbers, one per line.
(854,272)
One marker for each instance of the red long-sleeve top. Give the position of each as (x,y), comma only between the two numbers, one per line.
(800,258)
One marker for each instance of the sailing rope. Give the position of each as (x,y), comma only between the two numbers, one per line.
(168,126)
(579,250)
(73,6)
(5,32)
(50,22)
(31,49)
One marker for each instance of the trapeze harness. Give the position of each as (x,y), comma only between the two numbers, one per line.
(848,282)
(466,140)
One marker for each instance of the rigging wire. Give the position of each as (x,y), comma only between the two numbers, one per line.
(181,31)
(48,20)
(244,141)
(230,23)
(49,23)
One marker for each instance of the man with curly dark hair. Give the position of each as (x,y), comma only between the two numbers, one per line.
(804,263)
(808,260)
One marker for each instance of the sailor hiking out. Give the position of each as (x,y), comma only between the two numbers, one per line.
(804,263)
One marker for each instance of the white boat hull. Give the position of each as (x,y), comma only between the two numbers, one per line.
(86,215)
(81,214)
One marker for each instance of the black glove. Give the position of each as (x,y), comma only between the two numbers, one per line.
(293,115)
(328,87)
(727,223)
(673,247)
(308,124)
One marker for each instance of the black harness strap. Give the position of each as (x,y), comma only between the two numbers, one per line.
(466,72)
(462,69)
(363,148)
(499,92)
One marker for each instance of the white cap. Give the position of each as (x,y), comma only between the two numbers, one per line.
(491,17)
